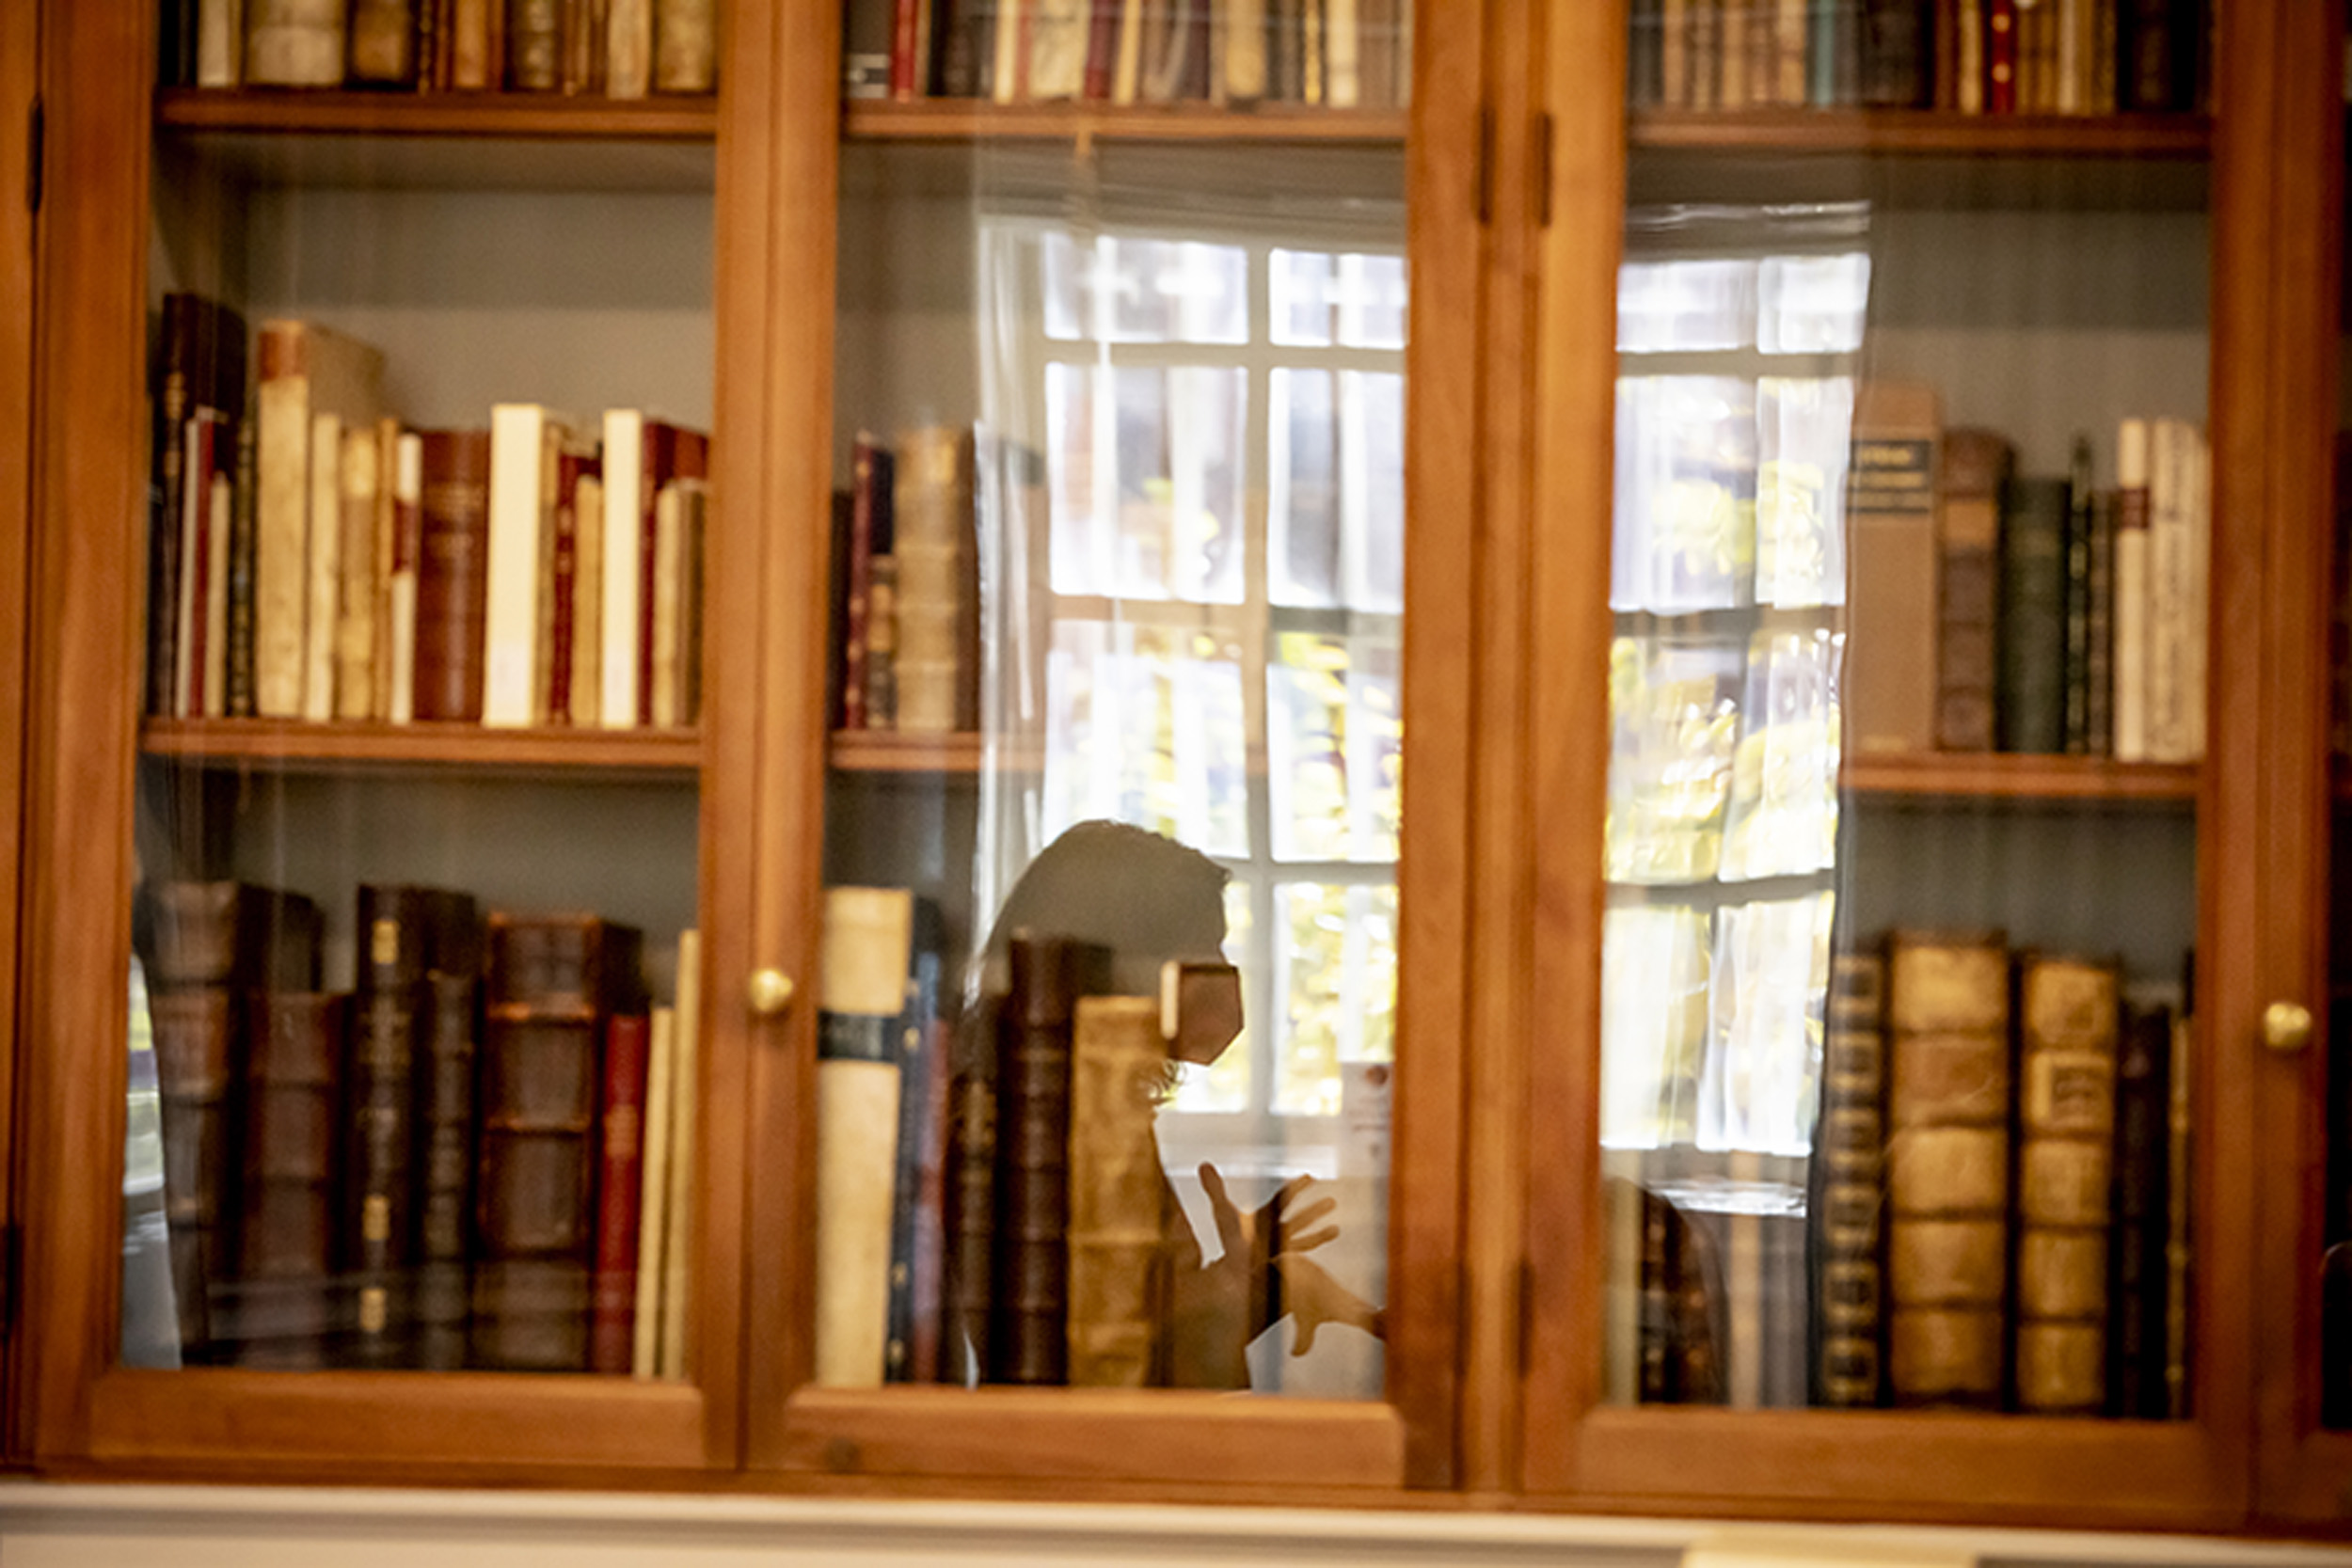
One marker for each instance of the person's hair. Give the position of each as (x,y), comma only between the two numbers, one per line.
(1141,895)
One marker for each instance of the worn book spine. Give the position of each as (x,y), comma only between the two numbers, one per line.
(1850,1147)
(400,598)
(685,46)
(199,1046)
(383,46)
(1889,689)
(2067,1014)
(534,45)
(2132,588)
(280,581)
(871,526)
(934,542)
(680,1234)
(620,1155)
(2136,1288)
(354,620)
(196,334)
(1118,1058)
(1029,1340)
(1897,40)
(1947,1157)
(2099,655)
(2000,57)
(628,61)
(910,1353)
(445,1116)
(2029,700)
(451,573)
(2077,612)
(1968,599)
(237,676)
(381,1182)
(863,963)
(295,43)
(2180,1240)
(285,1311)
(652,1194)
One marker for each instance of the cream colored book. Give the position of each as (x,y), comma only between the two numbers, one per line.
(1244,62)
(295,43)
(678,1225)
(628,49)
(303,370)
(400,700)
(1127,70)
(356,574)
(321,612)
(654,1194)
(863,962)
(668,536)
(524,438)
(616,624)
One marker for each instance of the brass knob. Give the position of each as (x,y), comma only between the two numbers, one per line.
(2286,1027)
(769,991)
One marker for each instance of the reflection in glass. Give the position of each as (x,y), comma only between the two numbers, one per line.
(1686,493)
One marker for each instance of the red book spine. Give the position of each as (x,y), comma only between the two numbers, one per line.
(2000,57)
(1102,48)
(906,48)
(867,482)
(613,1297)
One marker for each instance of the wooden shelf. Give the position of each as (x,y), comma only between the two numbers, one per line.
(968,119)
(1900,132)
(2002,776)
(536,115)
(276,743)
(889,751)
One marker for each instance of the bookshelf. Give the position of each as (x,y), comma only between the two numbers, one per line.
(788,267)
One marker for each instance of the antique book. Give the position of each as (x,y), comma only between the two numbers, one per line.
(197,1053)
(1029,1339)
(399,593)
(1116,1305)
(474,33)
(583,658)
(200,363)
(918,1199)
(1888,693)
(2136,1278)
(554,981)
(2029,692)
(237,676)
(526,441)
(294,43)
(1849,1183)
(383,42)
(881,644)
(2132,564)
(653,1193)
(1947,1159)
(445,1117)
(534,45)
(863,963)
(935,544)
(871,519)
(627,495)
(2180,1240)
(620,1154)
(2176,607)
(310,378)
(288,1309)
(681,513)
(362,481)
(2067,1015)
(1968,599)
(685,46)
(678,1229)
(628,60)
(451,573)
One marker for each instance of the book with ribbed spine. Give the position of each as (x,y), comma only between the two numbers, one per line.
(2029,694)
(1968,601)
(452,557)
(1850,1184)
(295,43)
(935,544)
(554,983)
(1947,1166)
(2067,1015)
(1117,1060)
(287,1310)
(2135,1279)
(620,1154)
(863,964)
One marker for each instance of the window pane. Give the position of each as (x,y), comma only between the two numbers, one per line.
(1372,445)
(1065,263)
(1685,536)
(1805,437)
(1167,291)
(1812,304)
(1300,288)
(1144,725)
(1303,552)
(1653,1023)
(1334,748)
(1680,307)
(1336,974)
(1674,717)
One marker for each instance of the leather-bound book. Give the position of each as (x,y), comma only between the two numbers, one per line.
(285,1310)
(1968,588)
(384,43)
(1029,1339)
(918,1205)
(534,45)
(2067,1013)
(2142,1214)
(620,1156)
(1888,690)
(294,43)
(971,1231)
(453,574)
(685,46)
(200,364)
(554,981)
(1116,1305)
(445,1115)
(199,1054)
(2030,702)
(1850,1184)
(1947,1156)
(934,544)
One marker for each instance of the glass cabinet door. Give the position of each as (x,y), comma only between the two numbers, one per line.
(1101,1046)
(19,84)
(2297,1049)
(378,776)
(1905,751)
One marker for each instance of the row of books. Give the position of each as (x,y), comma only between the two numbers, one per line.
(1964,56)
(906,589)
(1991,610)
(1334,54)
(2001,1185)
(312,558)
(479,1156)
(992,1212)
(609,48)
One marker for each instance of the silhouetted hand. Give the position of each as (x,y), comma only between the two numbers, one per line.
(1283,1227)
(1315,1298)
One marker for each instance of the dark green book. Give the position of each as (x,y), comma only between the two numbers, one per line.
(2031,677)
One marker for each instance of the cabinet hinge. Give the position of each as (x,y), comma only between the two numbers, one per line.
(33,135)
(1485,163)
(1543,171)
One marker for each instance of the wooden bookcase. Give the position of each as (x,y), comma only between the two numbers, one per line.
(1516,161)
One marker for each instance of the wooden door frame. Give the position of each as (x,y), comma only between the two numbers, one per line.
(1860,1465)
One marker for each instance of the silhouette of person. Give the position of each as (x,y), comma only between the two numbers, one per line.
(1150,901)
